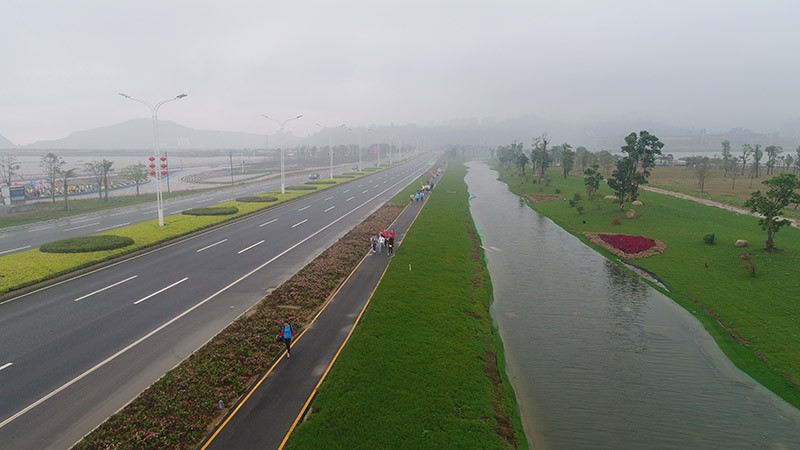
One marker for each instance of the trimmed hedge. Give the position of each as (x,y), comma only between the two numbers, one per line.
(301,187)
(213,211)
(257,199)
(321,182)
(86,244)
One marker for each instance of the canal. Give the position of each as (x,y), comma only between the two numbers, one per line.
(601,360)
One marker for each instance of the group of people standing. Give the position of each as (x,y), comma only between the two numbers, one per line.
(384,240)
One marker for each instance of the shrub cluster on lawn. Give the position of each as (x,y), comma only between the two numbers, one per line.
(212,211)
(180,408)
(257,199)
(87,244)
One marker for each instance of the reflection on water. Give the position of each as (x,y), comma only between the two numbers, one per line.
(599,359)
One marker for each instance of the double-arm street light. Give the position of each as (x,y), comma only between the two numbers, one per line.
(282,125)
(330,149)
(157,161)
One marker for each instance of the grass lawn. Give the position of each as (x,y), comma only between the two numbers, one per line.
(717,187)
(422,369)
(755,320)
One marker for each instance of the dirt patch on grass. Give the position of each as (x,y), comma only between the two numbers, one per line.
(504,426)
(541,198)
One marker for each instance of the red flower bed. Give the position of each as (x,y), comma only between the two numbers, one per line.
(627,246)
(627,243)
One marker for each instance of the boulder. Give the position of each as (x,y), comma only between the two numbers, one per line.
(631,214)
(610,197)
(741,243)
(637,203)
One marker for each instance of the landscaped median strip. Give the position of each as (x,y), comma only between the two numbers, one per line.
(23,269)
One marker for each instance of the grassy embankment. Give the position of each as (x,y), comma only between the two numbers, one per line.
(23,269)
(424,367)
(755,320)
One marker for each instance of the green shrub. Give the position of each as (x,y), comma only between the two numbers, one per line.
(558,191)
(301,187)
(257,199)
(577,197)
(572,203)
(709,238)
(344,175)
(86,244)
(580,209)
(321,182)
(214,211)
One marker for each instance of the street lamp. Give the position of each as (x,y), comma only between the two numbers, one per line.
(377,145)
(282,124)
(330,148)
(158,160)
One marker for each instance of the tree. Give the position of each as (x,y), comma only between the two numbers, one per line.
(606,160)
(567,158)
(734,163)
(747,149)
(100,170)
(726,157)
(9,165)
(624,180)
(522,161)
(757,155)
(782,192)
(772,152)
(703,170)
(51,165)
(136,173)
(65,176)
(642,150)
(591,179)
(582,156)
(540,158)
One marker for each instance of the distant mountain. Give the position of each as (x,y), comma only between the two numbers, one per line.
(5,143)
(138,134)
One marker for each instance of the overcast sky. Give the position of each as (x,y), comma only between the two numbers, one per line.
(692,63)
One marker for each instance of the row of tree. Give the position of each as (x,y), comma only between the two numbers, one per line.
(53,167)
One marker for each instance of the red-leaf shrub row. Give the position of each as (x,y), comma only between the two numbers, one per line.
(179,409)
(627,246)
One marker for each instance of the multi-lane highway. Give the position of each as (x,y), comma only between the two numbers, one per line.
(75,352)
(22,238)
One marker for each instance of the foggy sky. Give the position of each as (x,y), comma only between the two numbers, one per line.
(698,64)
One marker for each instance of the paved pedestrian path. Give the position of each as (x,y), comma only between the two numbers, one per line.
(264,417)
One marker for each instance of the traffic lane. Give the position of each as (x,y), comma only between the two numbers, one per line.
(156,313)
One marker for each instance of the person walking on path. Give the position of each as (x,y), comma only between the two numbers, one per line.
(390,246)
(374,242)
(287,332)
(381,243)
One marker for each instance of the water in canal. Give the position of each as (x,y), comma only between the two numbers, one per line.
(600,360)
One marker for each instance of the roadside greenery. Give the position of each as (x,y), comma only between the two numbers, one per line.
(19,270)
(211,211)
(87,244)
(424,368)
(181,408)
(752,316)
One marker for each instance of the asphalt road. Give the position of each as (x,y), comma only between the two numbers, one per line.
(75,352)
(25,237)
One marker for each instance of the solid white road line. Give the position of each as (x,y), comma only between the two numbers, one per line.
(248,248)
(118,214)
(81,220)
(82,226)
(147,213)
(6,365)
(15,249)
(365,191)
(304,207)
(267,223)
(209,246)
(328,198)
(32,230)
(345,191)
(349,199)
(300,223)
(160,291)
(329,208)
(103,289)
(111,227)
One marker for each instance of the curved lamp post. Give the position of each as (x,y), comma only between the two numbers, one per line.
(282,125)
(158,161)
